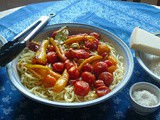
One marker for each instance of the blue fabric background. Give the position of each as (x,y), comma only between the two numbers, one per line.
(120,18)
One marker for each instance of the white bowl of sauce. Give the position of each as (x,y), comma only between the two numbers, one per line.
(145,97)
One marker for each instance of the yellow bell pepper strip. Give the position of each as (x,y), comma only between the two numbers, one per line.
(49,81)
(41,71)
(61,82)
(90,60)
(41,53)
(38,71)
(112,59)
(57,49)
(79,38)
(54,74)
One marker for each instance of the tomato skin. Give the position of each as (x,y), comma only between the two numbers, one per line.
(88,77)
(94,34)
(81,88)
(68,64)
(51,48)
(52,57)
(33,46)
(102,90)
(54,34)
(106,77)
(73,73)
(100,67)
(78,53)
(109,63)
(72,82)
(49,81)
(58,67)
(87,67)
(98,83)
(92,45)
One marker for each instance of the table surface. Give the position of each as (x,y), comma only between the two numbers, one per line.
(119,18)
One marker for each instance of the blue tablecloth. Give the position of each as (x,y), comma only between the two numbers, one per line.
(119,18)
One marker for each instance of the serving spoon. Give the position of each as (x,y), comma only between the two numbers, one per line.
(12,48)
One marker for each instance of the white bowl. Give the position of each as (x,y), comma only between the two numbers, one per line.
(141,109)
(74,28)
(145,60)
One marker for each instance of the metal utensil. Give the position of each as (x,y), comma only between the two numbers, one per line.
(12,48)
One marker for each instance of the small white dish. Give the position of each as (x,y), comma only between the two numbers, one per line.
(139,108)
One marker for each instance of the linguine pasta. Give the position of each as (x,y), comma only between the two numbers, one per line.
(36,86)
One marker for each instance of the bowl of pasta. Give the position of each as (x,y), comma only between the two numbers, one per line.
(72,65)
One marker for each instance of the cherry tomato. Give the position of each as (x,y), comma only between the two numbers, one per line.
(78,53)
(54,34)
(87,67)
(102,90)
(69,54)
(106,77)
(98,83)
(100,67)
(73,73)
(72,82)
(52,57)
(49,81)
(51,48)
(81,88)
(105,55)
(92,45)
(109,63)
(88,77)
(68,64)
(33,46)
(94,34)
(58,67)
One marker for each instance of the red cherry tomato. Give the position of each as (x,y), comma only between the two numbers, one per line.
(54,34)
(33,46)
(52,57)
(81,88)
(109,63)
(73,73)
(100,67)
(68,64)
(88,77)
(98,83)
(94,34)
(106,77)
(72,82)
(92,45)
(58,67)
(79,54)
(87,67)
(69,54)
(102,90)
(51,48)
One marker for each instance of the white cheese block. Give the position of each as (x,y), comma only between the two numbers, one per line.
(144,41)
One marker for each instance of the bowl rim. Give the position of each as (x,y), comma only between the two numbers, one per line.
(148,84)
(126,78)
(140,61)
